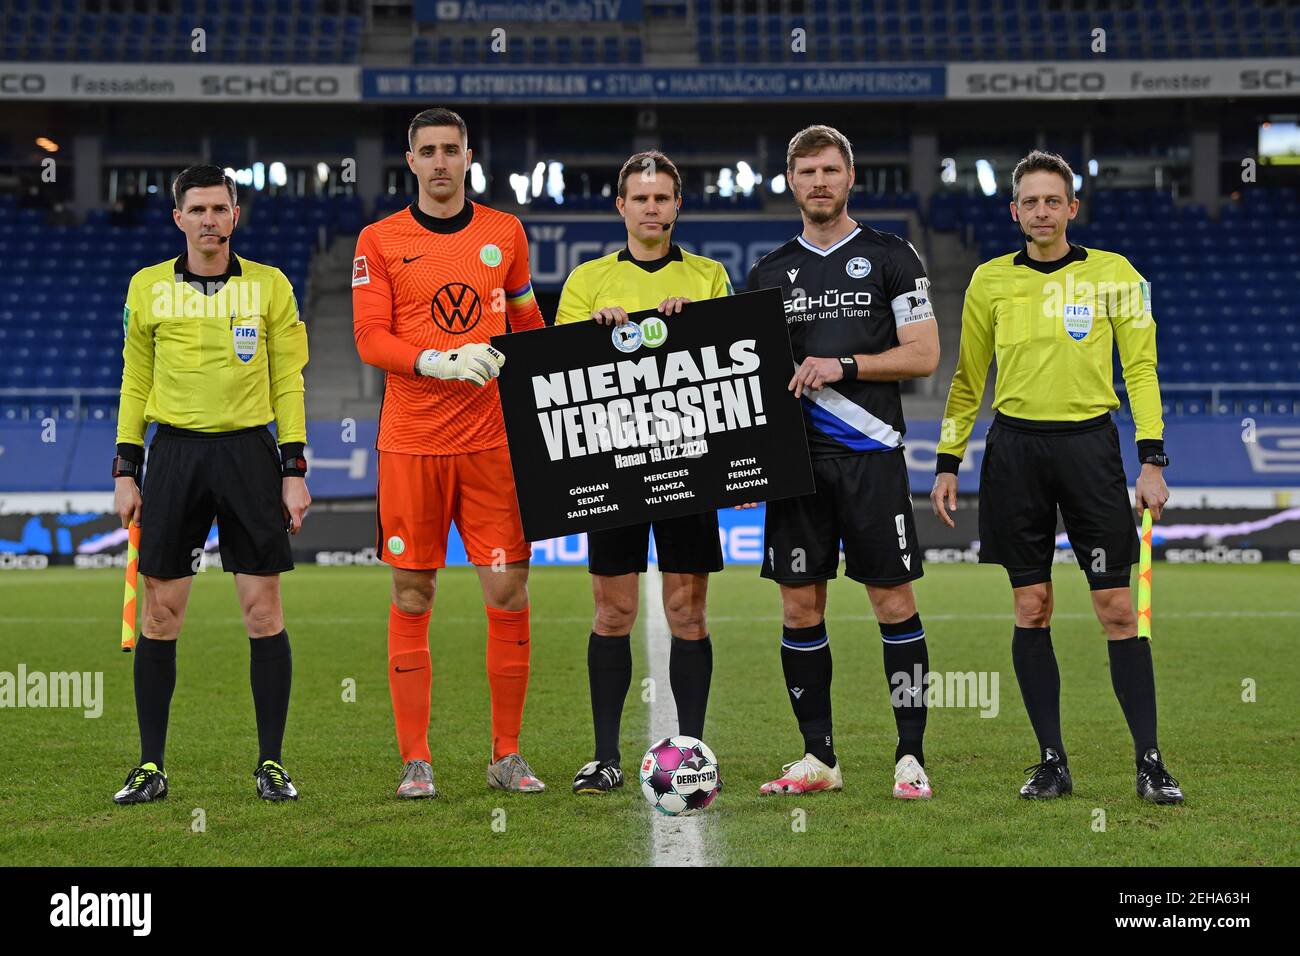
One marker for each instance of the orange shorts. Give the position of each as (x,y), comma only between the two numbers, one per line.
(419,496)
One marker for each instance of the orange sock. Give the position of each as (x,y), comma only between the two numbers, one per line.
(507,669)
(409,679)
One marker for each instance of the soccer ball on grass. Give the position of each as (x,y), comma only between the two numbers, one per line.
(679,776)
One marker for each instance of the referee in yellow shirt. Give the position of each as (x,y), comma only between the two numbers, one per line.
(214,350)
(650,272)
(1052,313)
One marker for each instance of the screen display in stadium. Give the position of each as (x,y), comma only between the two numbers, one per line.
(1279,141)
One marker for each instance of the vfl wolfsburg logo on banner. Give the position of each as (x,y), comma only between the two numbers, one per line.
(245,341)
(1078,321)
(654,332)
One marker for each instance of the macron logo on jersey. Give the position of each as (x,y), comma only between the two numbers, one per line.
(360,272)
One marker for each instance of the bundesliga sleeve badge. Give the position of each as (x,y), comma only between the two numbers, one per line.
(360,272)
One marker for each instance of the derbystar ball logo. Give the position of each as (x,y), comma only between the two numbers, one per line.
(456,308)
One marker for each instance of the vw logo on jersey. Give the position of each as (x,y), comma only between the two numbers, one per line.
(858,268)
(245,342)
(490,255)
(455,308)
(1078,321)
(627,338)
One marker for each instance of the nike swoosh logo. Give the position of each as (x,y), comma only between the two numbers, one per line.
(412,259)
(407,670)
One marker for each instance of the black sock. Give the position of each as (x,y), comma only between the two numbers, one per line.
(690,669)
(609,674)
(270,670)
(1134,679)
(1040,684)
(155,679)
(806,660)
(907,661)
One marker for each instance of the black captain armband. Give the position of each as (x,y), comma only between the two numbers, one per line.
(293,462)
(850,367)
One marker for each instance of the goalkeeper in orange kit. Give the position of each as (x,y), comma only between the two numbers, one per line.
(430,285)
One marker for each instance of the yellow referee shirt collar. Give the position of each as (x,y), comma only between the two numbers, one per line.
(1076,254)
(674,254)
(208,285)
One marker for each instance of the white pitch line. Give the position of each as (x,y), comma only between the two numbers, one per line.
(677,841)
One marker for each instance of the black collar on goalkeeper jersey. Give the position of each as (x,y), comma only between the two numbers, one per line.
(208,285)
(1076,254)
(674,254)
(448,225)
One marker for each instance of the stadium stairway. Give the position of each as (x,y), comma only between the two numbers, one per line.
(335,376)
(949,265)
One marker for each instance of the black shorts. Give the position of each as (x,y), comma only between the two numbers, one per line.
(1032,468)
(193,477)
(686,545)
(863,500)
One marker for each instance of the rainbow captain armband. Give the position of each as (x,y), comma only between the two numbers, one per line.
(520,298)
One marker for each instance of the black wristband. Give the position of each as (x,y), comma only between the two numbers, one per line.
(128,462)
(293,462)
(850,366)
(946,464)
(130,452)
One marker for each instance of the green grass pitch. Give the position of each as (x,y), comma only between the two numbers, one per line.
(1215,627)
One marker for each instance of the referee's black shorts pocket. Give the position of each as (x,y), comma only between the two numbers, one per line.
(1017,518)
(1095,503)
(689,544)
(246,482)
(616,551)
(177,509)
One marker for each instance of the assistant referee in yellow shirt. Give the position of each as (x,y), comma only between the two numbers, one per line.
(1052,314)
(214,351)
(651,272)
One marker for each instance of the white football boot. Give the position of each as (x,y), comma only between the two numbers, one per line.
(910,781)
(808,775)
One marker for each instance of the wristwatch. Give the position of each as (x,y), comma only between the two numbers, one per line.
(850,367)
(125,467)
(1158,458)
(293,460)
(293,467)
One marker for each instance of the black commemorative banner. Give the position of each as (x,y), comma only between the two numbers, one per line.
(662,417)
